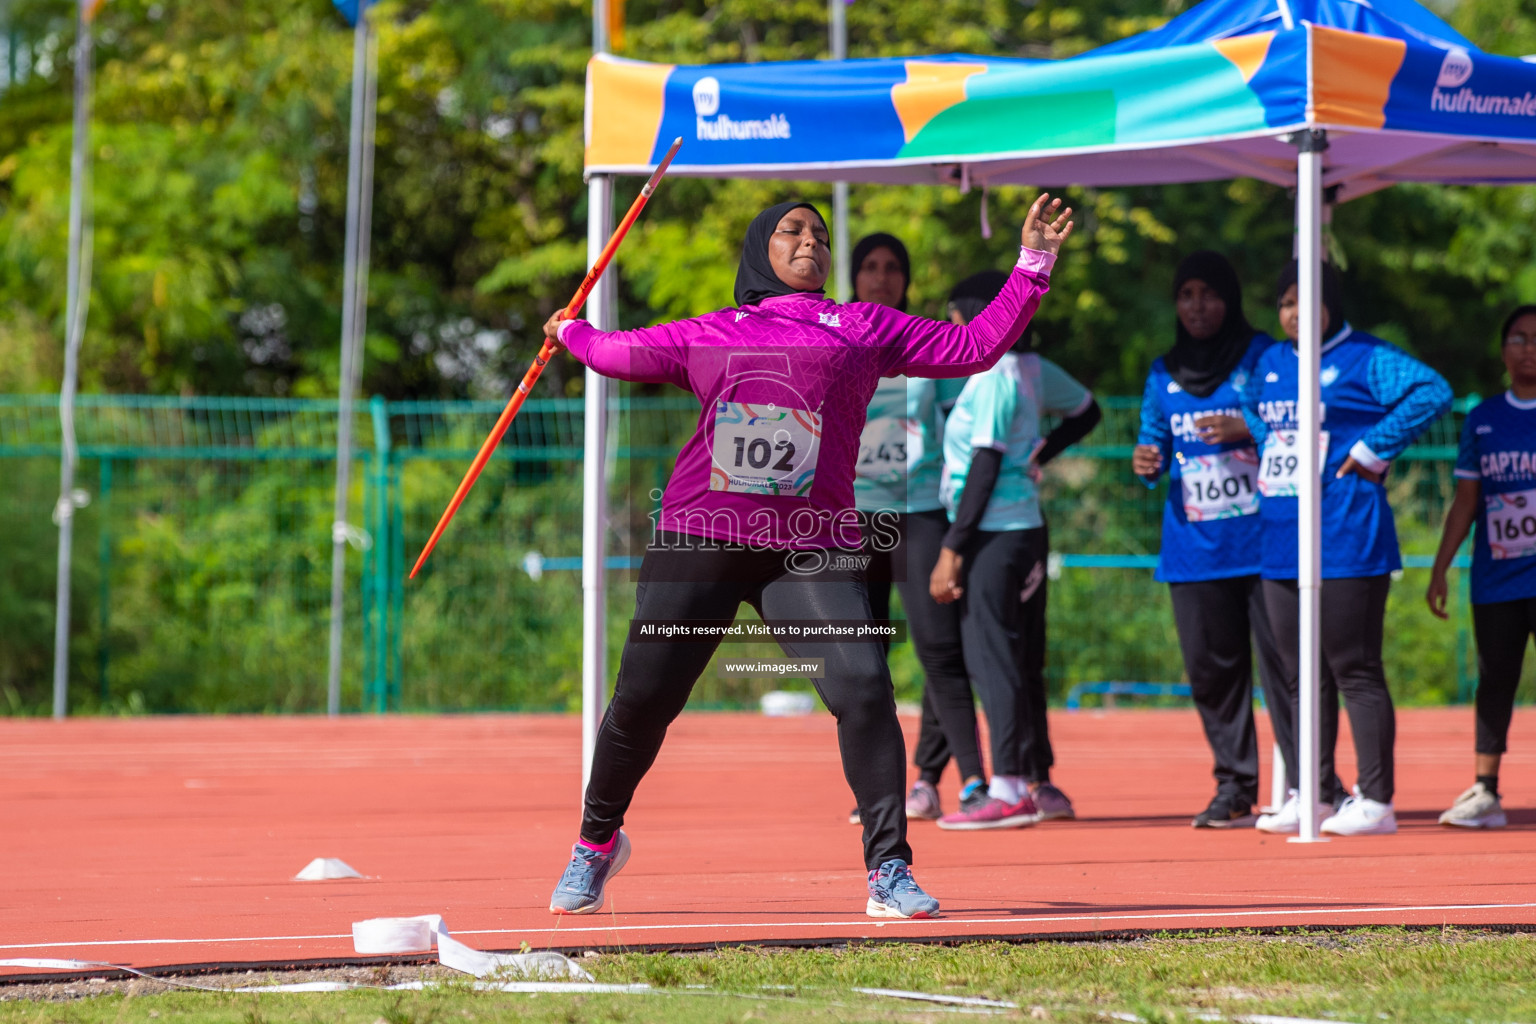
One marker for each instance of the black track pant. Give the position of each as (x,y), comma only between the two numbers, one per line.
(1215,619)
(1353,612)
(680,582)
(1001,573)
(949,708)
(1502,629)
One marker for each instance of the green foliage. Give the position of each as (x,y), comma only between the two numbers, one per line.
(220,144)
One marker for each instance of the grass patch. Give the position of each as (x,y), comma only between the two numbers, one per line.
(1367,975)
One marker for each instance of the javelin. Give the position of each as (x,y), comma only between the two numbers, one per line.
(546,352)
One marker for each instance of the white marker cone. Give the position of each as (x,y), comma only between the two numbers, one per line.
(326,867)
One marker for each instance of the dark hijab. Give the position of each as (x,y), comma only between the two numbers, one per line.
(867,245)
(975,293)
(1201,365)
(1333,293)
(971,296)
(755,277)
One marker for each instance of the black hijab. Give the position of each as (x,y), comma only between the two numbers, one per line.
(971,296)
(1333,292)
(975,293)
(755,277)
(867,245)
(1201,365)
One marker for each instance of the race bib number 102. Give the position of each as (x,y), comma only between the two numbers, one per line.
(764,449)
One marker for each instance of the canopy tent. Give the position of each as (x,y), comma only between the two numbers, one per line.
(1213,94)
(1311,94)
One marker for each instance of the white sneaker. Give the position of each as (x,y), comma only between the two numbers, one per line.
(1287,820)
(1476,808)
(1361,816)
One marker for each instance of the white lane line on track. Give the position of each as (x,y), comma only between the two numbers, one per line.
(937,922)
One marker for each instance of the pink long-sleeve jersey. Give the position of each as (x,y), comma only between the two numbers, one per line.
(784,386)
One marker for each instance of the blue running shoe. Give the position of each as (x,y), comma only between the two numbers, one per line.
(580,890)
(893,892)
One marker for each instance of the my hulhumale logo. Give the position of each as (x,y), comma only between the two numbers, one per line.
(1455,70)
(706,96)
(708,127)
(1449,96)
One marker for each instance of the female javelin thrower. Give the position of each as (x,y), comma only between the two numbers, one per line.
(1377,399)
(759,509)
(1495,487)
(897,491)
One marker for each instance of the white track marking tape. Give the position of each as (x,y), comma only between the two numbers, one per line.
(928,997)
(390,935)
(579,987)
(419,934)
(929,924)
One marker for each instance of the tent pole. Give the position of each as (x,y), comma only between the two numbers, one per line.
(1309,229)
(354,307)
(77,300)
(594,506)
(837,18)
(594,503)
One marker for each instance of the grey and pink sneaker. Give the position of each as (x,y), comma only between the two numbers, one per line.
(1052,802)
(923,802)
(984,811)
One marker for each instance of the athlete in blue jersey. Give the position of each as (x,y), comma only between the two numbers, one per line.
(1192,427)
(897,494)
(1496,488)
(992,562)
(1376,399)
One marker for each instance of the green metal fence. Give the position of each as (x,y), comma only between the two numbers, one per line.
(203,558)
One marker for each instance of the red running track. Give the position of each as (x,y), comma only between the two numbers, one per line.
(173,841)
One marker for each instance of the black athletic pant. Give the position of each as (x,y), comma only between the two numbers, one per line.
(682,581)
(1215,620)
(1353,612)
(1502,630)
(949,708)
(1001,572)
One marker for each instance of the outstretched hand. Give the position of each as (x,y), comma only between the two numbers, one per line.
(1046,225)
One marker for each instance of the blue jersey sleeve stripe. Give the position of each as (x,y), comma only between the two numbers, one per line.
(1414,394)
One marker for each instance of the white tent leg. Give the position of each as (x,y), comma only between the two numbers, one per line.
(354,315)
(842,273)
(594,506)
(837,34)
(77,301)
(1276,778)
(1309,230)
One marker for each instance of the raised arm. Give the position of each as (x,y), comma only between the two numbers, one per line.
(919,347)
